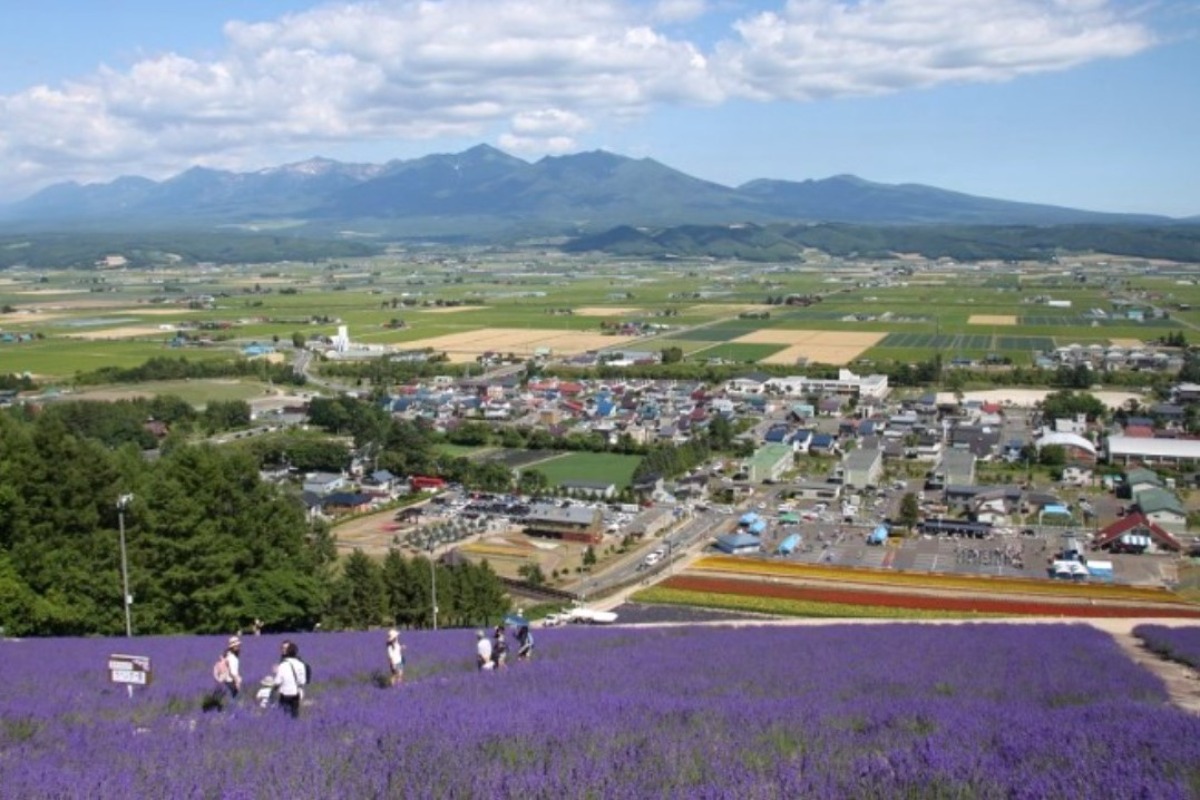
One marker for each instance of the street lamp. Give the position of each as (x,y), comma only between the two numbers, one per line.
(122,503)
(433,581)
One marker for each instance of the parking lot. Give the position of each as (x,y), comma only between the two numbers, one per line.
(1011,555)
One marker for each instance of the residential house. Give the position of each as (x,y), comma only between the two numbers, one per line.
(1162,508)
(1135,533)
(323,483)
(769,462)
(862,467)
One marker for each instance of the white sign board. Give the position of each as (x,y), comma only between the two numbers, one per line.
(132,670)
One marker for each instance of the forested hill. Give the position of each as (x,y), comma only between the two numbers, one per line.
(960,242)
(84,250)
(211,547)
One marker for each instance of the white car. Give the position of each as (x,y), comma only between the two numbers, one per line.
(652,558)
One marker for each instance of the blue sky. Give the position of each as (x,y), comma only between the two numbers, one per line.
(1085,103)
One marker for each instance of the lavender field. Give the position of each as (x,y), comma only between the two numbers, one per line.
(837,711)
(1180,644)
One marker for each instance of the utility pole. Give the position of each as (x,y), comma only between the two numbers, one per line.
(122,503)
(433,581)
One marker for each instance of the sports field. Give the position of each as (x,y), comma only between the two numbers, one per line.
(611,467)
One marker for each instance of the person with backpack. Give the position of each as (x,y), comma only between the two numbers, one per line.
(228,669)
(291,675)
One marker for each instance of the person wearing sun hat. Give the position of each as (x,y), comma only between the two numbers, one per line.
(233,667)
(395,656)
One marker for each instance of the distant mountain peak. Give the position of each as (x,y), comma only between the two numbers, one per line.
(317,165)
(484,187)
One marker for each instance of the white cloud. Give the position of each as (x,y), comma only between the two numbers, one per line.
(820,48)
(543,72)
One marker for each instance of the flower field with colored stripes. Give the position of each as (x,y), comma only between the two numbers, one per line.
(990,710)
(712,589)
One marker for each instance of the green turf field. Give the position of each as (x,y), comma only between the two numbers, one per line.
(590,467)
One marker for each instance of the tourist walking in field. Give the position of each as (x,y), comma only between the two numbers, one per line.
(291,674)
(524,643)
(395,657)
(500,649)
(483,651)
(228,669)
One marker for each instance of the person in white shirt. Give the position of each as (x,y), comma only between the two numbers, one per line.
(483,650)
(233,667)
(395,656)
(290,676)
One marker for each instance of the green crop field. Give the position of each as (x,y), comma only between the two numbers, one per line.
(196,392)
(590,467)
(401,297)
(730,351)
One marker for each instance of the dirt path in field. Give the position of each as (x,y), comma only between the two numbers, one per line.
(1182,682)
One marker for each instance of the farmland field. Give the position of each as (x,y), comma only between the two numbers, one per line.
(820,711)
(735,351)
(524,301)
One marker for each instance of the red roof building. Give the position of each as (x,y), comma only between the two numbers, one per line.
(1135,534)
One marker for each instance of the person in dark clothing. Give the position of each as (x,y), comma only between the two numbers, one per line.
(499,649)
(524,643)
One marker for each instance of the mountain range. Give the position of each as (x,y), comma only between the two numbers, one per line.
(483,192)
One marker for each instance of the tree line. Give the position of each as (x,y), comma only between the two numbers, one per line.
(210,546)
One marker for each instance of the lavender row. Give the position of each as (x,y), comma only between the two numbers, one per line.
(981,711)
(1180,644)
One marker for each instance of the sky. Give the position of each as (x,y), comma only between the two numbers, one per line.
(1090,104)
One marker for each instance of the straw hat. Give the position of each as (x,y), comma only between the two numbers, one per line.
(393,635)
(233,642)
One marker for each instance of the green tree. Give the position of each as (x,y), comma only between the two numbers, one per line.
(532,481)
(532,573)
(1053,455)
(910,511)
(359,595)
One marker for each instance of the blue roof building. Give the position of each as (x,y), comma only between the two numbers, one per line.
(738,544)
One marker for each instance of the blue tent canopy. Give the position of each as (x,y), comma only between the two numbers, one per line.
(789,544)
